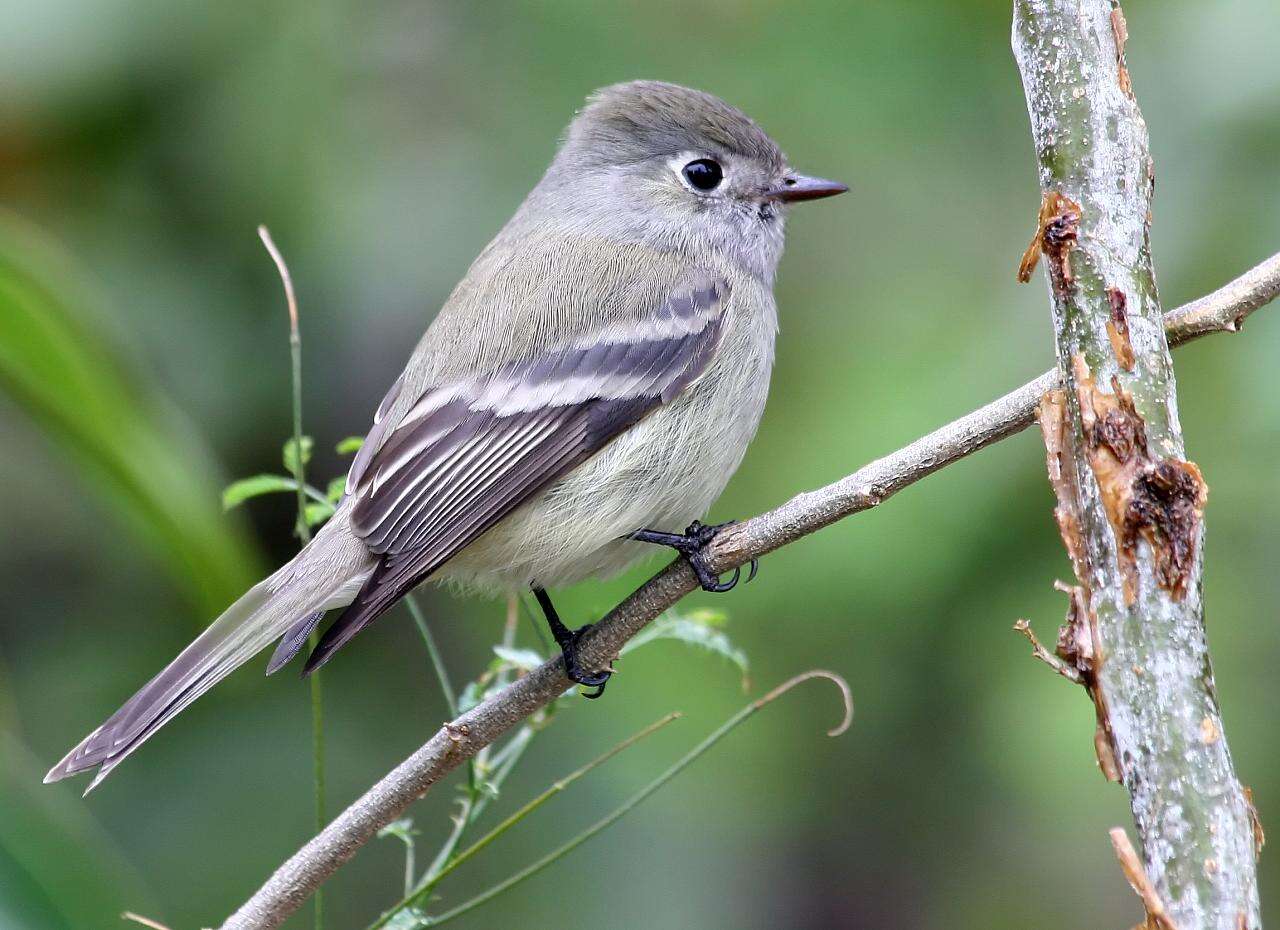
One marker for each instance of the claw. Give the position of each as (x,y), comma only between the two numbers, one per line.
(690,545)
(719,587)
(575,673)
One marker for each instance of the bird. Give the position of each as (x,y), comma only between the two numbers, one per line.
(585,392)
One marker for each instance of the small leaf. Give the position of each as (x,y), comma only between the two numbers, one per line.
(316,513)
(524,659)
(290,455)
(470,697)
(408,919)
(709,616)
(698,628)
(240,491)
(401,829)
(350,445)
(337,487)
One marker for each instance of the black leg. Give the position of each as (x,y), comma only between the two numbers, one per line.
(690,544)
(567,640)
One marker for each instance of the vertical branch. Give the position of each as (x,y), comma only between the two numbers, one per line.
(301,527)
(1130,506)
(303,531)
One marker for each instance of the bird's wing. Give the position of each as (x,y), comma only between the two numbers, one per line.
(470,451)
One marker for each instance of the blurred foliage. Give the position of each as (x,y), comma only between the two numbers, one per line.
(385,144)
(144,462)
(40,833)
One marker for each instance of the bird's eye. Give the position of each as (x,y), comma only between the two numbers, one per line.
(704,174)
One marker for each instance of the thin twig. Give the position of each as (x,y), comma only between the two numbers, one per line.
(1157,917)
(410,866)
(806,513)
(295,353)
(303,531)
(145,921)
(437,660)
(1044,655)
(1226,309)
(679,766)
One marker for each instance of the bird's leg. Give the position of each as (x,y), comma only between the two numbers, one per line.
(567,640)
(690,544)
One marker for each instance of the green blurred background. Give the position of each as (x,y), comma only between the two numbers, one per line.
(144,362)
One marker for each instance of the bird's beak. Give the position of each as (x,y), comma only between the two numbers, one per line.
(802,187)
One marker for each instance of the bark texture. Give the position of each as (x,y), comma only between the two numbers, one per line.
(1130,505)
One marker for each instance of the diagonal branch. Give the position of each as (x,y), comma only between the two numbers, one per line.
(806,513)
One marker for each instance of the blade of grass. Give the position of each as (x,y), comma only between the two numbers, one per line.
(469,812)
(476,801)
(528,808)
(551,791)
(499,759)
(437,660)
(604,823)
(303,531)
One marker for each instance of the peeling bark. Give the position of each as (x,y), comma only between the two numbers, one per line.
(1078,635)
(1056,230)
(1130,506)
(1118,329)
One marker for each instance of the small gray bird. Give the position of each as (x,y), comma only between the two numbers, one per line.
(587,390)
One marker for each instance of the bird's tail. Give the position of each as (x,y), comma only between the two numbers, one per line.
(326,574)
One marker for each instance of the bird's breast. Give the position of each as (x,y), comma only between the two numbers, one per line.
(662,473)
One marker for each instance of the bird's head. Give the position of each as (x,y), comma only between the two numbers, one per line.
(682,169)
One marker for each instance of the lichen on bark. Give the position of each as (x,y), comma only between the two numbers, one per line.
(1136,517)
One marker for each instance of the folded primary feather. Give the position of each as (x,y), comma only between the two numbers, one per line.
(468,453)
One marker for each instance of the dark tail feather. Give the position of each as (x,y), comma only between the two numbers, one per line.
(352,620)
(265,612)
(292,642)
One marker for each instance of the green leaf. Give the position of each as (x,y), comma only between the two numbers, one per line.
(316,513)
(470,697)
(290,456)
(236,493)
(526,660)
(70,372)
(337,487)
(701,628)
(401,829)
(350,445)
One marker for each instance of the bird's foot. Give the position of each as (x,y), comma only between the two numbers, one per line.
(691,544)
(567,640)
(575,672)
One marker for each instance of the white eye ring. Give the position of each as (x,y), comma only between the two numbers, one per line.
(699,173)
